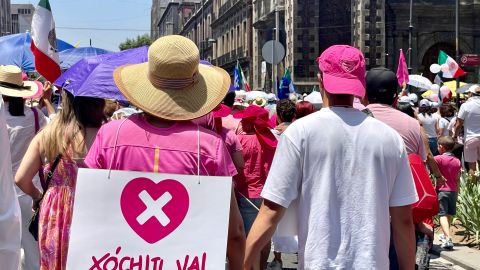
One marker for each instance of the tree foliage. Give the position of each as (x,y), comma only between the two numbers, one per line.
(139,41)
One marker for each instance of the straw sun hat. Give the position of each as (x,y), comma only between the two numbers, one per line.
(12,85)
(173,85)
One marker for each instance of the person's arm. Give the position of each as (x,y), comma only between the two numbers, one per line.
(432,164)
(238,161)
(29,167)
(425,229)
(262,230)
(437,128)
(47,97)
(403,234)
(236,237)
(458,127)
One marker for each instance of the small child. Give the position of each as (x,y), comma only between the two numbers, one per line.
(450,167)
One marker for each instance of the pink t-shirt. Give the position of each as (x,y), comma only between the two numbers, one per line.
(231,141)
(450,167)
(258,160)
(143,147)
(408,127)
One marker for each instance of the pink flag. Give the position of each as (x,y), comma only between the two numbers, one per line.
(402,70)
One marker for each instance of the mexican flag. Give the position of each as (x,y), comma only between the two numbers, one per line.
(239,79)
(454,70)
(44,42)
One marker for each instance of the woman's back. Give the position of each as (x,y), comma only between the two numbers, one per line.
(21,130)
(429,123)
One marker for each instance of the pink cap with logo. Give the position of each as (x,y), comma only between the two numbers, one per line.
(343,69)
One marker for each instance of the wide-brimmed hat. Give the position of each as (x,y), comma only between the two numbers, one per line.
(12,85)
(221,111)
(259,101)
(259,117)
(173,85)
(252,112)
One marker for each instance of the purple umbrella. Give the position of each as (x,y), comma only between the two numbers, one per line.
(93,76)
(70,57)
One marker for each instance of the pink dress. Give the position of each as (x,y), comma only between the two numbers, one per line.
(56,216)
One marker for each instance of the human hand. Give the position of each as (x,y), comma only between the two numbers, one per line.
(440,180)
(47,91)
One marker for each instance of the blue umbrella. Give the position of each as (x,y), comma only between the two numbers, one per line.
(15,50)
(71,56)
(93,76)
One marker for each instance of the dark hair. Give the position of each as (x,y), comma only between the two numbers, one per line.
(406,108)
(286,110)
(447,111)
(303,108)
(229,99)
(447,142)
(16,105)
(425,110)
(381,86)
(89,110)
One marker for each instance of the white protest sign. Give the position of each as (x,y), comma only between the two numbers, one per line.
(149,221)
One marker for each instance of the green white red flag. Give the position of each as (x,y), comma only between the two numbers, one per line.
(454,70)
(246,86)
(44,42)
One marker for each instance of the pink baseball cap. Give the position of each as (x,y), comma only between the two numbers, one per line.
(343,69)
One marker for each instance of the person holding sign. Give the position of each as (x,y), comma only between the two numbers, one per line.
(61,146)
(171,89)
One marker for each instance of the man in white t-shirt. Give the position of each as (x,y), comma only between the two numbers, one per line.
(10,230)
(469,118)
(350,174)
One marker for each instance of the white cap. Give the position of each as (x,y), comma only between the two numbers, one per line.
(413,97)
(271,97)
(473,89)
(424,103)
(406,99)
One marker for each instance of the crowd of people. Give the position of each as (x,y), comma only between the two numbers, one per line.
(342,158)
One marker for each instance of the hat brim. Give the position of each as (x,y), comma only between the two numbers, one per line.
(38,93)
(264,102)
(346,86)
(20,92)
(173,104)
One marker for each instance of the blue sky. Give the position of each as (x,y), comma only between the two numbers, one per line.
(99,14)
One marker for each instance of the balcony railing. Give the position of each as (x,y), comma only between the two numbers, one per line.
(264,8)
(231,57)
(227,6)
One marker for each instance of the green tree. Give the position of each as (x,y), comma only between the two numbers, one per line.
(135,42)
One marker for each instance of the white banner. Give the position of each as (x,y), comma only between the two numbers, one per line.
(149,221)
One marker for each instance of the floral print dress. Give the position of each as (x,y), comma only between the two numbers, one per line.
(56,216)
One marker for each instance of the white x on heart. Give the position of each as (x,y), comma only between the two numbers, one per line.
(154,208)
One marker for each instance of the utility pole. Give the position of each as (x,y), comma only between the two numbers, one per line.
(410,36)
(277,37)
(202,41)
(457,46)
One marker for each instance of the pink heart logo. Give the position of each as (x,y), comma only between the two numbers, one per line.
(152,210)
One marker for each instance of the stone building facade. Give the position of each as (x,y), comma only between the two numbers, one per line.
(232,31)
(5,18)
(22,15)
(238,29)
(434,30)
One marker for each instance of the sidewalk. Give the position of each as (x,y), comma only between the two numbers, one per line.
(463,256)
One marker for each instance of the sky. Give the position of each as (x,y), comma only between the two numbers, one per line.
(106,22)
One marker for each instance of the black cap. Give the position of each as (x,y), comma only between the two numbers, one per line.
(382,85)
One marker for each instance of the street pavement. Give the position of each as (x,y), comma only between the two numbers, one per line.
(436,263)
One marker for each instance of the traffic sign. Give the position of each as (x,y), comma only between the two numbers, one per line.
(470,60)
(273,52)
